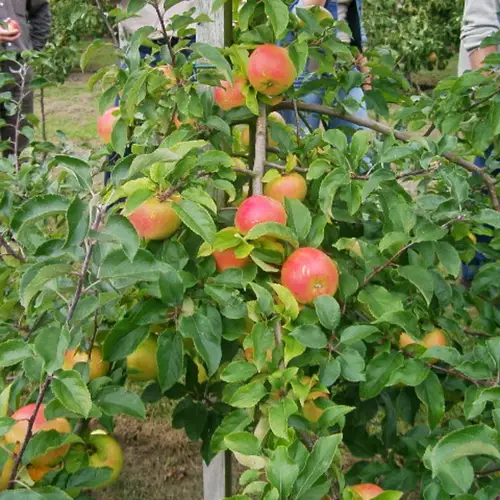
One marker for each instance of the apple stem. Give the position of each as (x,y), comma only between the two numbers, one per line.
(400,135)
(260,150)
(29,431)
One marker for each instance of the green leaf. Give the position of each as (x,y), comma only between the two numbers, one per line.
(310,336)
(379,373)
(78,168)
(329,186)
(329,372)
(352,365)
(282,471)
(196,218)
(71,391)
(37,208)
(379,300)
(4,400)
(288,300)
(122,231)
(396,153)
(123,339)
(235,421)
(119,136)
(336,138)
(317,463)
(355,333)
(421,278)
(171,287)
(360,145)
(44,441)
(43,276)
(430,392)
(238,371)
(143,162)
(51,343)
(117,400)
(465,442)
(278,14)
(78,218)
(299,218)
(328,311)
(13,351)
(5,424)
(411,374)
(207,342)
(170,359)
(393,240)
(333,414)
(248,395)
(273,230)
(215,57)
(243,442)
(279,415)
(449,258)
(264,299)
(117,265)
(488,216)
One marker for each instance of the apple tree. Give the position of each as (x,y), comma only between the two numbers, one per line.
(299,295)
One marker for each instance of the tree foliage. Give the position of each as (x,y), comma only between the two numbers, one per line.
(397,211)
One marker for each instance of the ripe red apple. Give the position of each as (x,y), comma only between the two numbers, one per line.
(98,366)
(106,123)
(17,433)
(141,364)
(155,220)
(107,453)
(287,186)
(169,73)
(367,491)
(13,27)
(256,210)
(230,95)
(309,273)
(226,259)
(270,70)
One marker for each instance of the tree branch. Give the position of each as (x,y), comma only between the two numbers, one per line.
(402,136)
(110,29)
(260,150)
(11,251)
(165,32)
(29,431)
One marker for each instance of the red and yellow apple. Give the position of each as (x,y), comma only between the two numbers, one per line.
(226,259)
(98,366)
(270,69)
(12,29)
(106,453)
(17,433)
(434,338)
(229,95)
(287,186)
(309,273)
(367,491)
(258,209)
(155,219)
(106,123)
(141,364)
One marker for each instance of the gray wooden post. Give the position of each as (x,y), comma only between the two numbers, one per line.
(216,476)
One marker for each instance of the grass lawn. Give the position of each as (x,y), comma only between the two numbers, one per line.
(160,462)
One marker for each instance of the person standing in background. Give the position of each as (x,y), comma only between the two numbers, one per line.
(349,11)
(34,20)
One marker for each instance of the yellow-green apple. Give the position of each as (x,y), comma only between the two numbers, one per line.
(17,432)
(258,209)
(98,366)
(228,95)
(106,453)
(367,491)
(106,123)
(155,219)
(141,364)
(226,259)
(238,163)
(309,273)
(169,73)
(406,340)
(277,118)
(287,186)
(270,69)
(434,338)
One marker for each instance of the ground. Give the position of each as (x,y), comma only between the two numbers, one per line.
(160,462)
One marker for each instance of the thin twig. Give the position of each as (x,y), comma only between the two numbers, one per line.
(402,136)
(165,32)
(19,114)
(297,120)
(29,431)
(11,251)
(487,472)
(260,150)
(110,29)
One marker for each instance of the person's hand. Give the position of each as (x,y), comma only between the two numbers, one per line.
(10,33)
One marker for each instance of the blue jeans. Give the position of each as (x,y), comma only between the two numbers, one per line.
(334,122)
